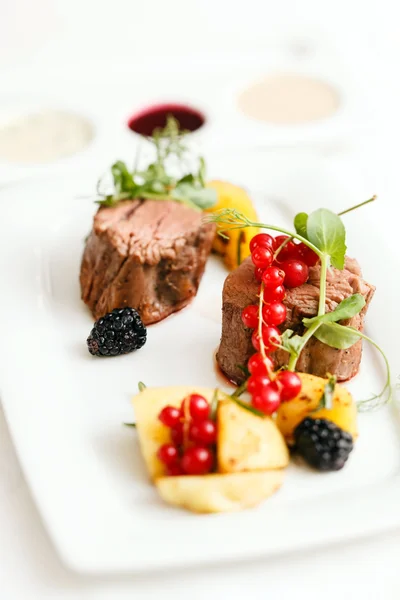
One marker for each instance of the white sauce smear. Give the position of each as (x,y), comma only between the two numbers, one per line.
(44,137)
(289,99)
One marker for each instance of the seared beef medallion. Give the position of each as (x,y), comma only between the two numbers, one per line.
(241,289)
(149,255)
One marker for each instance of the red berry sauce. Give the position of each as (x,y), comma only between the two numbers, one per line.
(153,117)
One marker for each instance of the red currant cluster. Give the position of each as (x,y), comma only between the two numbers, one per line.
(294,259)
(193,437)
(277,261)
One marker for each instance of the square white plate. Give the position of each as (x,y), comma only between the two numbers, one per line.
(65,408)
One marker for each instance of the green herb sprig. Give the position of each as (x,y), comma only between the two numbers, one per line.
(141,386)
(326,400)
(156,182)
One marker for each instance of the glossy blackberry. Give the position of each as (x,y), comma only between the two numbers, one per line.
(323,444)
(119,332)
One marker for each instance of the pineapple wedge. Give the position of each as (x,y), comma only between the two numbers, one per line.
(343,411)
(219,493)
(247,442)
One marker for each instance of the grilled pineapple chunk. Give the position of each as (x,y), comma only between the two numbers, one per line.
(219,493)
(236,248)
(343,412)
(247,442)
(151,432)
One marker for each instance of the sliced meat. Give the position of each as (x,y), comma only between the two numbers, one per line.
(149,255)
(241,289)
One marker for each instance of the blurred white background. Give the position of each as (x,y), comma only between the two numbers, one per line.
(50,32)
(93,38)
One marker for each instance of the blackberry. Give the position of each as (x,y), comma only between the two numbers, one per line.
(119,332)
(323,444)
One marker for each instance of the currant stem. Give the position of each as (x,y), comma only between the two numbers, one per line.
(260,322)
(281,247)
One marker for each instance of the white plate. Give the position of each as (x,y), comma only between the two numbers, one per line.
(65,408)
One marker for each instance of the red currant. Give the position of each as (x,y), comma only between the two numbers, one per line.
(273,277)
(203,432)
(261,239)
(274,313)
(177,434)
(271,337)
(199,409)
(197,460)
(250,316)
(168,454)
(170,416)
(308,256)
(288,251)
(274,295)
(268,400)
(175,470)
(256,383)
(255,340)
(258,273)
(291,384)
(278,241)
(257,365)
(296,273)
(262,257)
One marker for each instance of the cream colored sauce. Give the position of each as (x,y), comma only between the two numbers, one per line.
(44,136)
(289,99)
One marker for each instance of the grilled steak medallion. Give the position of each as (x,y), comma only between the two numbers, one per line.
(241,289)
(149,255)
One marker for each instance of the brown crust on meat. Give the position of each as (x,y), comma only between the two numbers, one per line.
(241,289)
(149,255)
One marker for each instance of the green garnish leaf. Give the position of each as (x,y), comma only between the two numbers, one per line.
(327,396)
(241,389)
(300,224)
(202,171)
(329,391)
(199,197)
(130,425)
(156,181)
(348,308)
(337,336)
(108,200)
(326,231)
(244,370)
(224,396)
(123,179)
(248,407)
(141,386)
(189,178)
(291,343)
